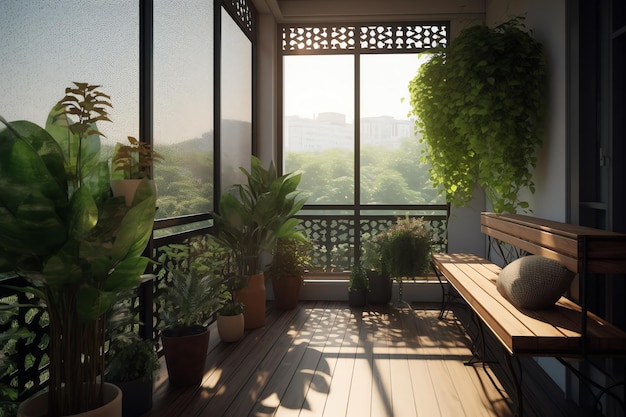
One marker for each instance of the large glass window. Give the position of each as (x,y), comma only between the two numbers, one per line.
(318,132)
(183,106)
(391,171)
(236,102)
(345,106)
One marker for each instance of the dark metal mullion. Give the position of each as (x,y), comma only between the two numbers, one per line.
(280,148)
(146,101)
(217,102)
(357,158)
(253,107)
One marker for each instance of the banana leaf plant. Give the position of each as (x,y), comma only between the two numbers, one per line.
(253,215)
(79,248)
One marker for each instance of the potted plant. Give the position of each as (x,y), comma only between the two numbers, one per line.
(251,217)
(131,163)
(78,247)
(192,296)
(131,365)
(230,320)
(357,287)
(480,105)
(291,258)
(405,249)
(380,283)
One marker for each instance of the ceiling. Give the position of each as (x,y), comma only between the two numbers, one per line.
(359,10)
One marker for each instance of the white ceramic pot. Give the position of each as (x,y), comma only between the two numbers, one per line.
(230,328)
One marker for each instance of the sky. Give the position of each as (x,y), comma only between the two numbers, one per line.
(315,84)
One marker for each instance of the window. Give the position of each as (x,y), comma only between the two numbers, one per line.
(183,107)
(346,127)
(236,102)
(319,125)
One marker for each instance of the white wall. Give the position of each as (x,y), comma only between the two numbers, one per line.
(546,20)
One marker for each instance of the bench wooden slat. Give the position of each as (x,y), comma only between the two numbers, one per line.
(551,332)
(605,251)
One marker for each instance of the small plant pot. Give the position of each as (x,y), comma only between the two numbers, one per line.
(127,189)
(230,328)
(185,356)
(357,297)
(380,288)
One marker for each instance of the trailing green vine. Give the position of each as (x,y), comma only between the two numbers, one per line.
(480,106)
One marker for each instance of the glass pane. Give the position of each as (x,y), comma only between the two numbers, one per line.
(183,106)
(236,106)
(47,45)
(318,133)
(391,171)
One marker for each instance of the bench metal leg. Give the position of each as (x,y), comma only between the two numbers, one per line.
(478,343)
(517,382)
(445,296)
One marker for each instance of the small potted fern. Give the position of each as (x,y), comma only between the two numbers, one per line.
(190,300)
(230,320)
(357,287)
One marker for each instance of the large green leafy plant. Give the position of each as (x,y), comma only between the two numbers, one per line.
(480,106)
(79,248)
(252,216)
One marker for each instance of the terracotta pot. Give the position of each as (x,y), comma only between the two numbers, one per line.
(127,189)
(37,406)
(253,298)
(286,292)
(380,288)
(230,328)
(185,355)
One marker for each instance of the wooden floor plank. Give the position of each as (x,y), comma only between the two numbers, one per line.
(381,404)
(340,384)
(360,396)
(402,388)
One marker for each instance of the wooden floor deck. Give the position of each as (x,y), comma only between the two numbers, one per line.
(326,359)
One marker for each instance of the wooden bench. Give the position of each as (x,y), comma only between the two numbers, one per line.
(568,329)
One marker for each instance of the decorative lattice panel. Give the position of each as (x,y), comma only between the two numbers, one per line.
(380,37)
(26,357)
(403,37)
(245,13)
(333,243)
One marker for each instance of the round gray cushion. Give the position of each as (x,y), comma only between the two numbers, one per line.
(534,282)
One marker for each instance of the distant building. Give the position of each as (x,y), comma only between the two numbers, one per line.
(330,130)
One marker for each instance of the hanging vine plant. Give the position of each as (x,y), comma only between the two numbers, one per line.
(480,106)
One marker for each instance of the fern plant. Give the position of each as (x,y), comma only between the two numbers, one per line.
(191,299)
